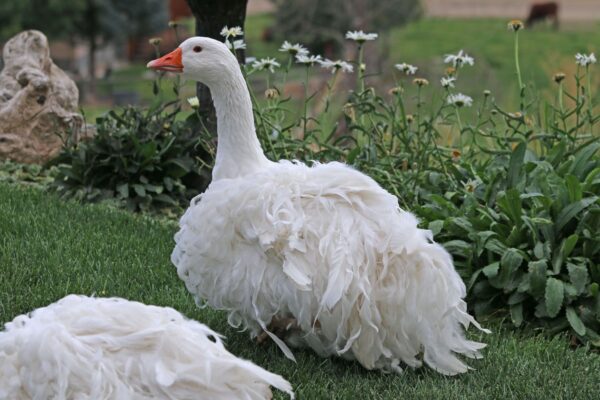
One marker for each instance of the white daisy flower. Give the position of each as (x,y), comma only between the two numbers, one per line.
(308,60)
(236,45)
(249,60)
(231,32)
(585,59)
(407,68)
(193,102)
(360,36)
(460,59)
(448,81)
(266,63)
(337,65)
(471,185)
(460,100)
(293,49)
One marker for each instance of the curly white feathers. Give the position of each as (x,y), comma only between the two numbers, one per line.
(110,348)
(329,247)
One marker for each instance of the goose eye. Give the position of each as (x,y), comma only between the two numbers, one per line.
(197,49)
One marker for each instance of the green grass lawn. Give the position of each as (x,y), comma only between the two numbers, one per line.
(49,248)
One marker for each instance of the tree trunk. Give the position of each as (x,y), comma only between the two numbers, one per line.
(211,16)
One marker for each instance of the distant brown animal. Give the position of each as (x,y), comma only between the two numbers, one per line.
(543,11)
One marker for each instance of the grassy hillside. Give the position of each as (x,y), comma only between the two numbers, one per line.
(49,248)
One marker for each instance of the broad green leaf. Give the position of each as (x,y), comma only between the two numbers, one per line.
(570,211)
(458,247)
(491,270)
(352,155)
(510,203)
(575,321)
(511,260)
(591,179)
(581,159)
(593,289)
(568,245)
(462,223)
(516,314)
(436,226)
(538,250)
(514,165)
(554,296)
(123,190)
(579,276)
(496,246)
(573,188)
(516,298)
(139,190)
(556,154)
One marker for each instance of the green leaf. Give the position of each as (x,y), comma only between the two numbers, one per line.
(352,155)
(436,226)
(123,190)
(591,179)
(462,223)
(458,247)
(573,188)
(575,321)
(510,203)
(579,276)
(570,211)
(514,165)
(516,314)
(491,270)
(496,246)
(554,296)
(139,190)
(581,159)
(148,150)
(594,289)
(511,260)
(568,245)
(516,298)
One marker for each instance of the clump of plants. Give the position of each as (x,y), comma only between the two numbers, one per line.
(143,159)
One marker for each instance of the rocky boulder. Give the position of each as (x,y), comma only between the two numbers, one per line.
(38,101)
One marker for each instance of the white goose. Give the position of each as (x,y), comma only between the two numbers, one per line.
(323,250)
(110,348)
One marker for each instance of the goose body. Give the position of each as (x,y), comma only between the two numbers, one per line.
(324,246)
(110,348)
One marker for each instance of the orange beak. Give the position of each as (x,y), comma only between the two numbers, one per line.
(169,62)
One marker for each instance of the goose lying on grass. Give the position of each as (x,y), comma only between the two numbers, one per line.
(110,348)
(322,253)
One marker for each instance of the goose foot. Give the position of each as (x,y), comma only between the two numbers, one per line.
(280,327)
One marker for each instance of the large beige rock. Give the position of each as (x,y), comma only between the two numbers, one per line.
(38,101)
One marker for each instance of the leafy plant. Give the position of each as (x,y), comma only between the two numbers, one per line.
(525,237)
(144,159)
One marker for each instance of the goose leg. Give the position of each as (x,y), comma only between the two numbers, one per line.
(278,326)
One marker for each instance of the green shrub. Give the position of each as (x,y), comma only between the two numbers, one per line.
(525,237)
(142,158)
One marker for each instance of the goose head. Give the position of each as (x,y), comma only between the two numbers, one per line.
(201,59)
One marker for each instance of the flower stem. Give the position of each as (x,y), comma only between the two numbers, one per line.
(589,95)
(305,102)
(361,79)
(518,67)
(460,128)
